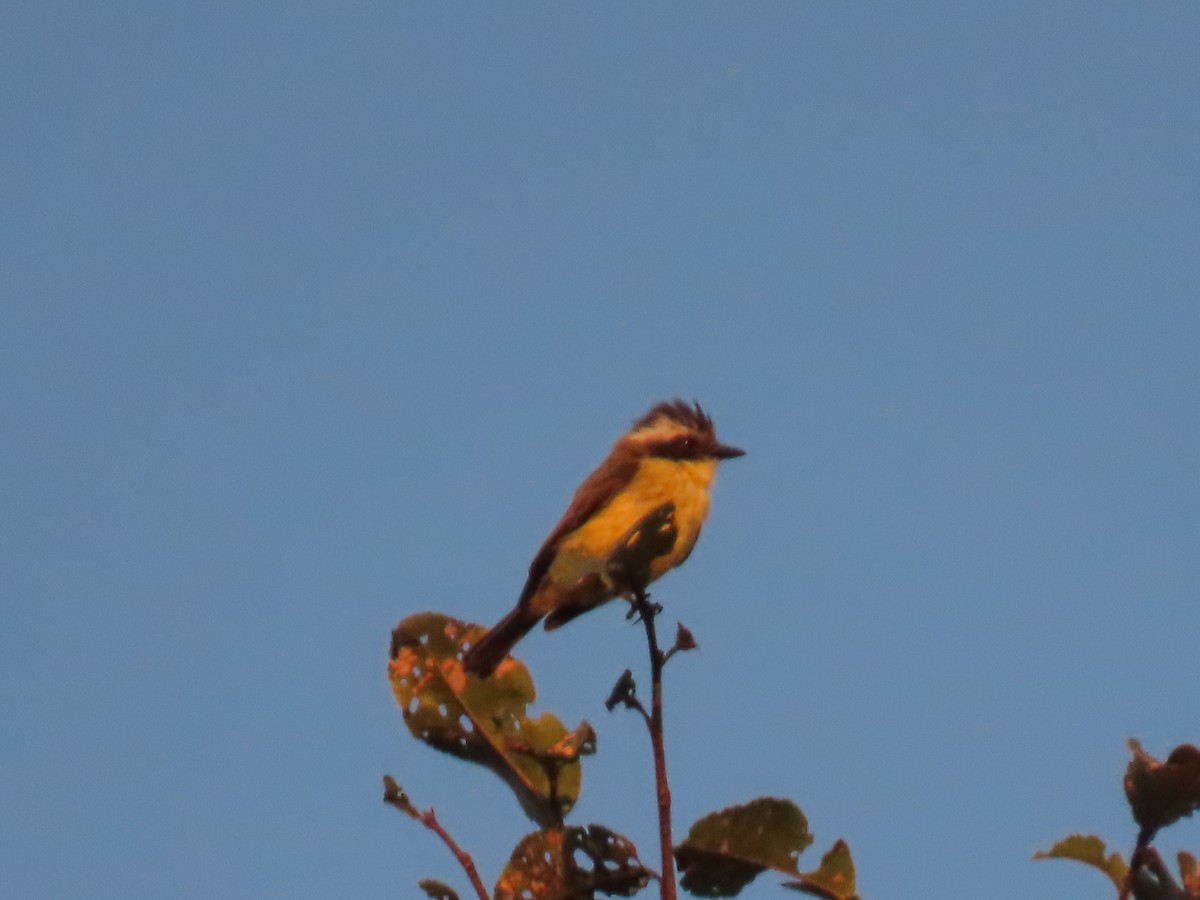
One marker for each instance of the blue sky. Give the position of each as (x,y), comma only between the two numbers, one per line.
(315,318)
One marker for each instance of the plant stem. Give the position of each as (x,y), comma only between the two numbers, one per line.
(1136,860)
(394,796)
(655,721)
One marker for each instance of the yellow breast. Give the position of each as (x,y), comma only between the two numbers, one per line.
(683,482)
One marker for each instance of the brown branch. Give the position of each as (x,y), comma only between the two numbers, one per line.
(393,795)
(1136,860)
(648,611)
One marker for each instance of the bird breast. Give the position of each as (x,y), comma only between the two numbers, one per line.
(683,482)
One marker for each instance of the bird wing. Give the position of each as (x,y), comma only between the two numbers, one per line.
(597,490)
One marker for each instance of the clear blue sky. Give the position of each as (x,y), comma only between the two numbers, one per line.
(313,319)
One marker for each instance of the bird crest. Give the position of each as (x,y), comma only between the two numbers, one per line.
(675,416)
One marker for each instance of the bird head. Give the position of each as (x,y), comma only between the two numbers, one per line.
(677,430)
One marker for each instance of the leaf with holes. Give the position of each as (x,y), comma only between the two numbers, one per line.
(1160,793)
(833,879)
(726,850)
(580,742)
(1089,850)
(572,862)
(482,720)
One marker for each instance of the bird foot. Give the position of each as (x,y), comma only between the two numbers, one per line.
(640,606)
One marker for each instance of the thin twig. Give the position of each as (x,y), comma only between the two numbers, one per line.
(648,611)
(1136,860)
(393,795)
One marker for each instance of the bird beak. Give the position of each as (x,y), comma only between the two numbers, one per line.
(724,451)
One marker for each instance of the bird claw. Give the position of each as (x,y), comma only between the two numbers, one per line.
(639,605)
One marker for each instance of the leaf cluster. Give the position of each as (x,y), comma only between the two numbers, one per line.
(488,722)
(485,721)
(724,851)
(1159,793)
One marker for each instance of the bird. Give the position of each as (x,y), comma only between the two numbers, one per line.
(657,476)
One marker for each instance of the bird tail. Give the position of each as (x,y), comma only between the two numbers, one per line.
(483,658)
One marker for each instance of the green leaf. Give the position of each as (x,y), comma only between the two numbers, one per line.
(484,720)
(724,851)
(1160,793)
(834,879)
(1090,850)
(653,536)
(628,566)
(580,742)
(558,863)
(437,890)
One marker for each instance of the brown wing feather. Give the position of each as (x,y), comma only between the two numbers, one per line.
(609,478)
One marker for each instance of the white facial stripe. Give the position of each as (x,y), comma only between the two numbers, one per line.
(661,429)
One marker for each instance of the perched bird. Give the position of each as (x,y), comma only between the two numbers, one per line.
(659,472)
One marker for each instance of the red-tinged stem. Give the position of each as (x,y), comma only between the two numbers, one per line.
(1137,859)
(393,796)
(655,722)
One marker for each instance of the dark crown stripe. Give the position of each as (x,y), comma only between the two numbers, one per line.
(689,416)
